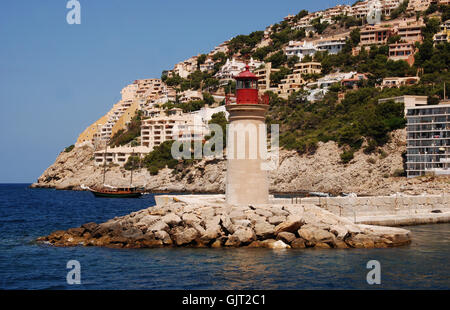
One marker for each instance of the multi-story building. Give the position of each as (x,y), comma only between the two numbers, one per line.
(428,140)
(402,51)
(290,84)
(263,75)
(444,34)
(172,125)
(332,45)
(391,82)
(119,155)
(185,68)
(360,9)
(410,30)
(300,49)
(190,95)
(308,68)
(221,48)
(233,67)
(208,65)
(354,81)
(375,35)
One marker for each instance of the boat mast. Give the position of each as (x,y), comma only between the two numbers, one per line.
(104,162)
(132,168)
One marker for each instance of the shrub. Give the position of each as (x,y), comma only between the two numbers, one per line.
(371,160)
(69,148)
(347,156)
(399,173)
(160,157)
(133,131)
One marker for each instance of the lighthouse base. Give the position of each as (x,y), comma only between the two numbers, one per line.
(246,179)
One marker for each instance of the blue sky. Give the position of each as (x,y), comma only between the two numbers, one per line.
(56,79)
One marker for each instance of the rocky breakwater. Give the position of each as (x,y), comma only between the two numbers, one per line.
(218,225)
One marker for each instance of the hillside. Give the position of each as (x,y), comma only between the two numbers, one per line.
(342,141)
(365,174)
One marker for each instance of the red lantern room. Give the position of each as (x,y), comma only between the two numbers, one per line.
(246,87)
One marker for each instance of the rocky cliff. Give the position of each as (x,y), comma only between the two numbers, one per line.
(366,174)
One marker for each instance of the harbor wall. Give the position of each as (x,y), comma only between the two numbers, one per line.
(395,210)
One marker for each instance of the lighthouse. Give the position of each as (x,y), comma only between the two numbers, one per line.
(246,179)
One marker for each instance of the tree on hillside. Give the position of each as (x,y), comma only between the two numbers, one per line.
(277,76)
(277,59)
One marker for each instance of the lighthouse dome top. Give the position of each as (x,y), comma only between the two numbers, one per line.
(246,74)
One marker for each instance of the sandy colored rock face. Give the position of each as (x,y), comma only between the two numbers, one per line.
(217,228)
(365,174)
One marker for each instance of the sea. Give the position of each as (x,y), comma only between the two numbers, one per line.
(26,214)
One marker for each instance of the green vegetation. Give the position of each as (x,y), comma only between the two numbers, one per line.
(357,118)
(277,59)
(159,158)
(347,21)
(133,131)
(221,120)
(276,77)
(133,162)
(320,27)
(245,43)
(69,148)
(401,9)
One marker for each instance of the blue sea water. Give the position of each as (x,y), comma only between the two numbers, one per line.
(26,214)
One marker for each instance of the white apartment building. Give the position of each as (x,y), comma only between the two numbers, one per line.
(332,45)
(119,155)
(190,95)
(396,82)
(233,67)
(300,49)
(428,140)
(172,125)
(208,65)
(186,67)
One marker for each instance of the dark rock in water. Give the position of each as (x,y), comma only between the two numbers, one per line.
(90,227)
(76,231)
(132,233)
(298,243)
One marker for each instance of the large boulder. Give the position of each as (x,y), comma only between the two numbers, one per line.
(361,241)
(276,219)
(286,237)
(242,236)
(171,219)
(132,233)
(314,235)
(275,244)
(291,225)
(157,226)
(298,243)
(163,236)
(227,225)
(185,236)
(191,219)
(148,220)
(264,230)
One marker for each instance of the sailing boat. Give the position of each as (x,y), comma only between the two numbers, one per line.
(108,191)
